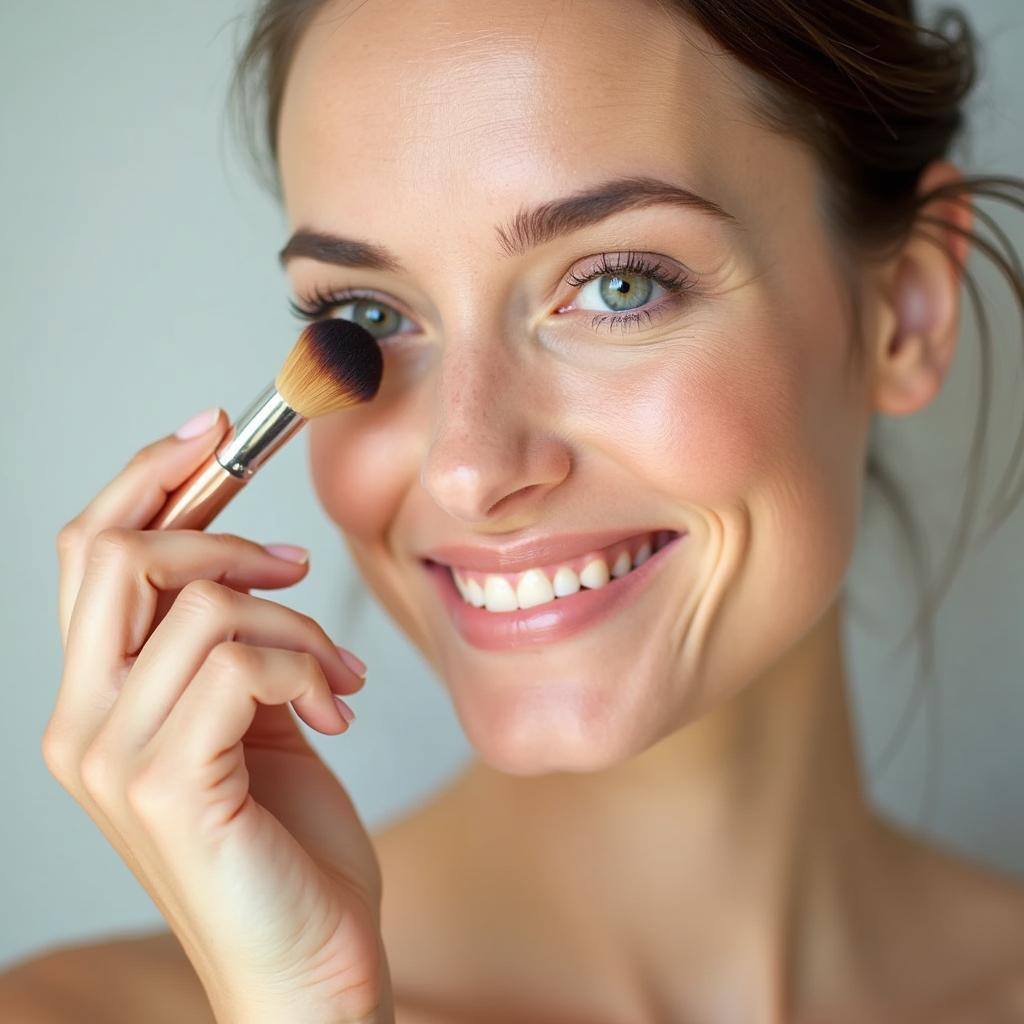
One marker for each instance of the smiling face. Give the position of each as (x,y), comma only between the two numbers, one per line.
(513,406)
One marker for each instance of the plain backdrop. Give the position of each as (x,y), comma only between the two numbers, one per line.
(139,284)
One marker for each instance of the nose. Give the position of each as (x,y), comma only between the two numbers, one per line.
(493,453)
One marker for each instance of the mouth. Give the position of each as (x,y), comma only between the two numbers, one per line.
(541,604)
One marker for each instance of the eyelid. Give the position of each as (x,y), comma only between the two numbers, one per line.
(639,260)
(341,296)
(673,277)
(318,303)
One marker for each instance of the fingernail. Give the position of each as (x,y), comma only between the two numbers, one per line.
(289,552)
(347,713)
(198,424)
(352,661)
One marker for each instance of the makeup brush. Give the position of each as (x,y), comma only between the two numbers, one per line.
(334,364)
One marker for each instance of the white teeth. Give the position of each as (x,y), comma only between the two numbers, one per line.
(566,582)
(499,595)
(595,574)
(534,588)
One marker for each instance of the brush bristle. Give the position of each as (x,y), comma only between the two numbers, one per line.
(334,364)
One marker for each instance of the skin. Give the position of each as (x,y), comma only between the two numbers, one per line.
(664,822)
(736,417)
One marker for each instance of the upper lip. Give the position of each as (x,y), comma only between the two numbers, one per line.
(531,551)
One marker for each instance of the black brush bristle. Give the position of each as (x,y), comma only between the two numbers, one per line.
(349,354)
(334,364)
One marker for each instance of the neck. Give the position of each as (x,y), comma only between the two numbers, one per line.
(708,863)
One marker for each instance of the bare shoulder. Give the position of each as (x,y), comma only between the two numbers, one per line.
(125,979)
(969,923)
(998,999)
(1003,998)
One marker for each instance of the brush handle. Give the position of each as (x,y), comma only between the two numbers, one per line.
(195,504)
(253,438)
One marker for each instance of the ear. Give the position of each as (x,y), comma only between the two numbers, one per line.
(921,295)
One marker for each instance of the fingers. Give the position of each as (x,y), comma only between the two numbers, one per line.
(194,764)
(115,611)
(217,707)
(130,501)
(128,569)
(204,618)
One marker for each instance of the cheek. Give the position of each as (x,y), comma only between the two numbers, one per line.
(701,421)
(750,439)
(359,468)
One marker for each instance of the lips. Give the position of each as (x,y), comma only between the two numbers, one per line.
(554,621)
(503,592)
(531,552)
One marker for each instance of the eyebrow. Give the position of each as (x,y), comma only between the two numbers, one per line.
(526,229)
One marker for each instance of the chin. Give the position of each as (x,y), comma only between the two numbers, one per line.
(551,726)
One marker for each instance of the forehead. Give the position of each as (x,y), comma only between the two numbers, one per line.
(460,105)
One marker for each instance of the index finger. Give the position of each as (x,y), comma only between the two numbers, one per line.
(131,499)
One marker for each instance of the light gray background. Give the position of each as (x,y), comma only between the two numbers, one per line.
(140,285)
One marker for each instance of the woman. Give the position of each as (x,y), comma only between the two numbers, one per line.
(644,275)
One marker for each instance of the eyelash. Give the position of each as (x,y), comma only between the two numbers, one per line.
(677,283)
(317,304)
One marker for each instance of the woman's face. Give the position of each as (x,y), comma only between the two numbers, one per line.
(513,406)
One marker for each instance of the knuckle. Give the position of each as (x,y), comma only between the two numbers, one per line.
(114,544)
(233,658)
(144,457)
(205,597)
(230,542)
(309,665)
(68,537)
(95,771)
(56,753)
(315,629)
(146,793)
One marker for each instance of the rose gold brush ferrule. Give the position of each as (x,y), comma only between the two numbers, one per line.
(250,441)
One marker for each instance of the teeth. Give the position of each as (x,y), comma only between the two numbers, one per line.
(622,565)
(499,595)
(595,574)
(566,582)
(534,588)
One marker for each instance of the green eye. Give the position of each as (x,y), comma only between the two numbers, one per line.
(623,289)
(621,292)
(379,318)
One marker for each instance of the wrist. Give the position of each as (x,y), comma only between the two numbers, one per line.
(234,1008)
(235,1013)
(261,1016)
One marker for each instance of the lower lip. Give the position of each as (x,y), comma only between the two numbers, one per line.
(546,623)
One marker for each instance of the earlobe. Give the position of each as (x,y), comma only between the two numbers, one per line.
(915,354)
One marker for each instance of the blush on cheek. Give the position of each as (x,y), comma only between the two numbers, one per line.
(705,424)
(357,471)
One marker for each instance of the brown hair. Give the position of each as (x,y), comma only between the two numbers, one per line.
(875,95)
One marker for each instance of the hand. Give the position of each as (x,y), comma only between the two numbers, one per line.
(172,730)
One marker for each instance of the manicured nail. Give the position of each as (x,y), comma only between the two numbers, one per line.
(352,661)
(347,713)
(198,424)
(289,552)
